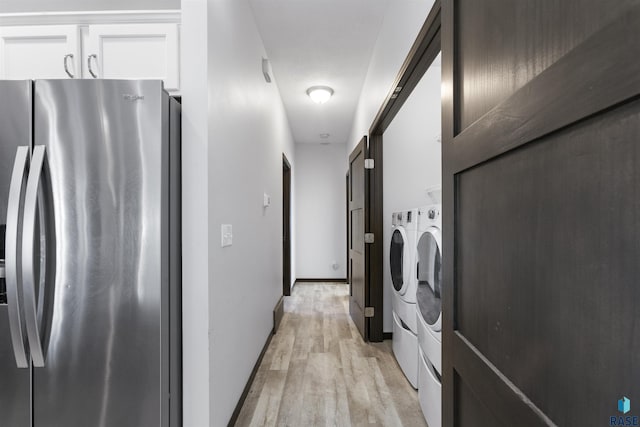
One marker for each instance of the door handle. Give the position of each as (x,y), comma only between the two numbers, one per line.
(38,200)
(89,62)
(13,262)
(66,65)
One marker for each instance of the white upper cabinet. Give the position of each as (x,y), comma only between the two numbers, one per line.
(133,51)
(40,52)
(110,45)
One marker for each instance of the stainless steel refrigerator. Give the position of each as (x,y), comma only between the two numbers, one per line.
(90,332)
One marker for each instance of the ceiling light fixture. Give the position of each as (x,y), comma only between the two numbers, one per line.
(320,94)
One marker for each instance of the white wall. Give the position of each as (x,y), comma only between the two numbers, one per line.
(232,156)
(23,6)
(321,210)
(400,27)
(412,162)
(195,222)
(248,132)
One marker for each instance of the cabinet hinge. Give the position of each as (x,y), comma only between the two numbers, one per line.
(369,311)
(369,163)
(369,237)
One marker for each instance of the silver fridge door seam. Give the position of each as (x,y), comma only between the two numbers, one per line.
(13,277)
(34,304)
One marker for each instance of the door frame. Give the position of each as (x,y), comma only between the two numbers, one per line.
(286,226)
(424,51)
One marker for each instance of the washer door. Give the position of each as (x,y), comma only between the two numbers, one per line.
(429,275)
(398,260)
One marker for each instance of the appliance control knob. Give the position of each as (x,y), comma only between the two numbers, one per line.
(432,214)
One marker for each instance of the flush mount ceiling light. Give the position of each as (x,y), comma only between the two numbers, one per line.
(320,94)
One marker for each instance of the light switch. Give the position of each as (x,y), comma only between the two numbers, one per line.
(226,233)
(266,202)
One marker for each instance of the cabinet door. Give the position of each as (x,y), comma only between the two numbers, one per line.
(134,51)
(39,52)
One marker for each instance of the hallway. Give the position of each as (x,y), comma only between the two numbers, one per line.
(318,371)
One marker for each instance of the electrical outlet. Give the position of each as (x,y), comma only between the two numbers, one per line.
(226,233)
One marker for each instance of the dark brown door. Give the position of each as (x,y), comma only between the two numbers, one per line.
(348,212)
(541,177)
(357,191)
(286,226)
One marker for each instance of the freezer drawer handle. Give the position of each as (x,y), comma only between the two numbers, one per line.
(37,301)
(12,256)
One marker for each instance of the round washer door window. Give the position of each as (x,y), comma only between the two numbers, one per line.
(396,260)
(429,275)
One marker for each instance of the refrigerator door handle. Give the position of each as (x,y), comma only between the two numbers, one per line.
(37,307)
(13,260)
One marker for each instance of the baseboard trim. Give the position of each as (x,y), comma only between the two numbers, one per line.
(387,335)
(278,314)
(247,387)
(321,281)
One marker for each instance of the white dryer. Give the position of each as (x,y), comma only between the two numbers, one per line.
(401,262)
(401,254)
(428,270)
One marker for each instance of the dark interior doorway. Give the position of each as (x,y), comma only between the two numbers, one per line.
(286,226)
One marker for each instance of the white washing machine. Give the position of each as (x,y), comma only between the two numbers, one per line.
(401,261)
(428,270)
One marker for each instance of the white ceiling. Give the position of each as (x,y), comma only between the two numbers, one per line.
(320,42)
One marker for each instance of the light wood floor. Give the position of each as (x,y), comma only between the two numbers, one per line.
(318,371)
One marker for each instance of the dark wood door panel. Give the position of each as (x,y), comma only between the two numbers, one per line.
(357,215)
(502,44)
(357,234)
(356,303)
(571,89)
(357,182)
(541,178)
(508,404)
(471,412)
(548,265)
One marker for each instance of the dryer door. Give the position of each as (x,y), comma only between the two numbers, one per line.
(398,259)
(429,274)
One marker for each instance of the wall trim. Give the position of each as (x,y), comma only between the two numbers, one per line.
(387,335)
(247,387)
(334,280)
(95,17)
(278,314)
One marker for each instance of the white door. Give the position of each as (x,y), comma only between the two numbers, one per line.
(134,51)
(39,52)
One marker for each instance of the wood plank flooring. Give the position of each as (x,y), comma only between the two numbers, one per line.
(318,371)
